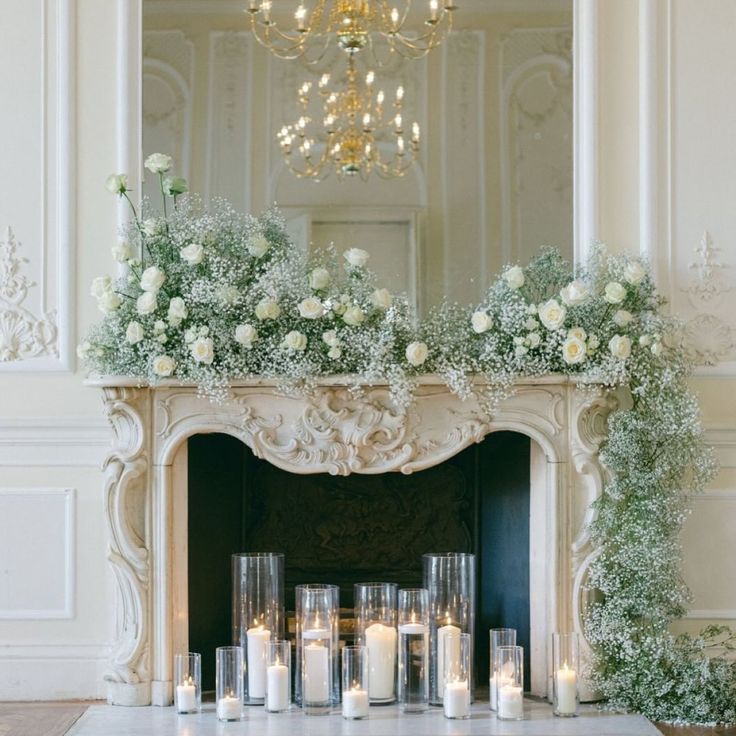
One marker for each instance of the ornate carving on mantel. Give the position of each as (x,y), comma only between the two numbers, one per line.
(23,335)
(126,498)
(338,432)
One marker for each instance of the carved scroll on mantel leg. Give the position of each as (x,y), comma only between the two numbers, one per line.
(126,499)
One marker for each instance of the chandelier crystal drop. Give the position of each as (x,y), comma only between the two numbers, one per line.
(353,25)
(356,125)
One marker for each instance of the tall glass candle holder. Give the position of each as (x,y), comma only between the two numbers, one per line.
(229,683)
(450,580)
(258,614)
(278,675)
(510,663)
(413,671)
(565,666)
(188,682)
(375,628)
(355,682)
(456,677)
(498,638)
(317,621)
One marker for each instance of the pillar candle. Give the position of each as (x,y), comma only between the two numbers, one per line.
(443,633)
(186,697)
(456,699)
(316,668)
(381,643)
(257,638)
(497,682)
(354,703)
(277,687)
(567,689)
(229,708)
(510,702)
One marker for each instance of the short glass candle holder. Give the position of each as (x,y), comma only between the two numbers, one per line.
(188,682)
(498,638)
(229,683)
(450,580)
(565,666)
(413,670)
(355,680)
(510,668)
(456,698)
(317,620)
(258,614)
(375,628)
(278,675)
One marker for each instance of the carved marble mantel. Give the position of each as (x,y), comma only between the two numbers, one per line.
(337,433)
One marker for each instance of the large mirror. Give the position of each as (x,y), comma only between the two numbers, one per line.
(492,180)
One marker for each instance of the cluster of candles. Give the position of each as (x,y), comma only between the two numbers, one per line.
(412,646)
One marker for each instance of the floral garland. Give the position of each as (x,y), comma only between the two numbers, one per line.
(213,296)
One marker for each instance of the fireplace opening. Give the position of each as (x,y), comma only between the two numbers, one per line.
(345,530)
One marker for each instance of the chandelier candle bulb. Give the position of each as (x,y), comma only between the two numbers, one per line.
(565,666)
(300,15)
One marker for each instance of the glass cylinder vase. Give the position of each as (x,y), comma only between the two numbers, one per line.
(456,677)
(355,682)
(258,614)
(565,668)
(188,682)
(317,635)
(498,638)
(413,670)
(229,683)
(375,628)
(450,580)
(278,675)
(510,666)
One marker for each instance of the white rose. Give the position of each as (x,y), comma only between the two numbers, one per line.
(481,321)
(162,338)
(150,226)
(531,309)
(177,311)
(152,279)
(657,349)
(514,277)
(531,323)
(109,302)
(117,183)
(158,163)
(295,341)
(334,352)
(193,254)
(159,325)
(533,339)
(267,309)
(146,303)
(353,316)
(381,299)
(311,308)
(122,252)
(552,314)
(520,351)
(645,341)
(622,317)
(246,335)
(416,353)
(203,350)
(100,286)
(573,350)
(634,272)
(576,292)
(228,295)
(134,333)
(356,257)
(341,305)
(620,346)
(614,292)
(593,343)
(163,365)
(258,246)
(190,335)
(319,278)
(330,338)
(577,332)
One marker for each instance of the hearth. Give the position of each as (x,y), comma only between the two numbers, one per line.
(346,530)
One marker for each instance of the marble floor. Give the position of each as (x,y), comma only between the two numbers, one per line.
(105,720)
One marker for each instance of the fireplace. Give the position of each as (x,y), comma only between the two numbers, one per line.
(367,446)
(358,528)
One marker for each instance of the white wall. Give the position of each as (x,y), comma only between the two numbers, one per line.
(56,618)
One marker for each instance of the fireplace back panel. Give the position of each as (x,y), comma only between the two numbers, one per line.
(359,528)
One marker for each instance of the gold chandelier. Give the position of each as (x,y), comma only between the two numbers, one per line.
(353,24)
(353,121)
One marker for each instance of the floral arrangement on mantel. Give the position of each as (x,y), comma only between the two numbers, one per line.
(214,296)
